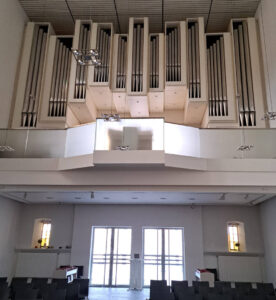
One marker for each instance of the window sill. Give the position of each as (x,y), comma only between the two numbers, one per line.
(40,250)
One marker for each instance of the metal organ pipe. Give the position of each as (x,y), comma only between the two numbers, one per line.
(154,61)
(60,80)
(81,73)
(247,111)
(121,62)
(194,60)
(137,58)
(173,65)
(218,106)
(34,79)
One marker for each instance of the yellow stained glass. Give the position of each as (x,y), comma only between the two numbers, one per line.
(233,237)
(46,231)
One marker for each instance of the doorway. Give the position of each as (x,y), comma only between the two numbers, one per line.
(163,254)
(111,254)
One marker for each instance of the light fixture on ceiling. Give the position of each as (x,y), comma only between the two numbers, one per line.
(123,148)
(87,57)
(245,148)
(6,149)
(222,197)
(270,115)
(111,117)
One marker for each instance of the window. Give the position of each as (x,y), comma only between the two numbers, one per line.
(111,256)
(163,254)
(42,233)
(236,236)
(45,236)
(233,237)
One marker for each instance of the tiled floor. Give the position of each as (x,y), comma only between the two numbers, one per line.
(117,293)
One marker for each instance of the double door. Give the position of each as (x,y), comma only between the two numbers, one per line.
(111,256)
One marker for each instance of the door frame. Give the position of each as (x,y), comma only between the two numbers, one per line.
(163,241)
(111,259)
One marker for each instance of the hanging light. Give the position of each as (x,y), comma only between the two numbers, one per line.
(87,57)
(111,117)
(6,149)
(245,148)
(123,148)
(270,115)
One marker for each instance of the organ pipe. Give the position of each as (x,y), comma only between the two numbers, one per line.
(218,104)
(101,73)
(154,61)
(121,62)
(173,61)
(193,60)
(81,71)
(60,78)
(34,78)
(137,58)
(246,103)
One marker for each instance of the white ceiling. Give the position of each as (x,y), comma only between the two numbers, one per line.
(135,197)
(217,13)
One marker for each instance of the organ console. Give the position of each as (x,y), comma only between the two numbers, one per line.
(187,76)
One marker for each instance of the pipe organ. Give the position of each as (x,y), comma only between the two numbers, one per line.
(220,78)
(56,81)
(207,80)
(246,56)
(196,104)
(156,73)
(99,82)
(78,98)
(30,75)
(119,72)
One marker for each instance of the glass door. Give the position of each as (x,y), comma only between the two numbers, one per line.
(163,254)
(111,256)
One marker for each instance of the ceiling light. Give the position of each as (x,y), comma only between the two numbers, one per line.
(192,199)
(111,117)
(163,198)
(106,198)
(87,57)
(6,149)
(270,115)
(123,148)
(49,198)
(245,148)
(134,198)
(77,198)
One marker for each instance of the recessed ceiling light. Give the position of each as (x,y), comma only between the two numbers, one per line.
(163,198)
(192,199)
(134,198)
(106,198)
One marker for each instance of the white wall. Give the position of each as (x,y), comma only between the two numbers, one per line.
(62,218)
(12,20)
(204,230)
(9,216)
(268,214)
(215,220)
(231,268)
(138,216)
(266,16)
